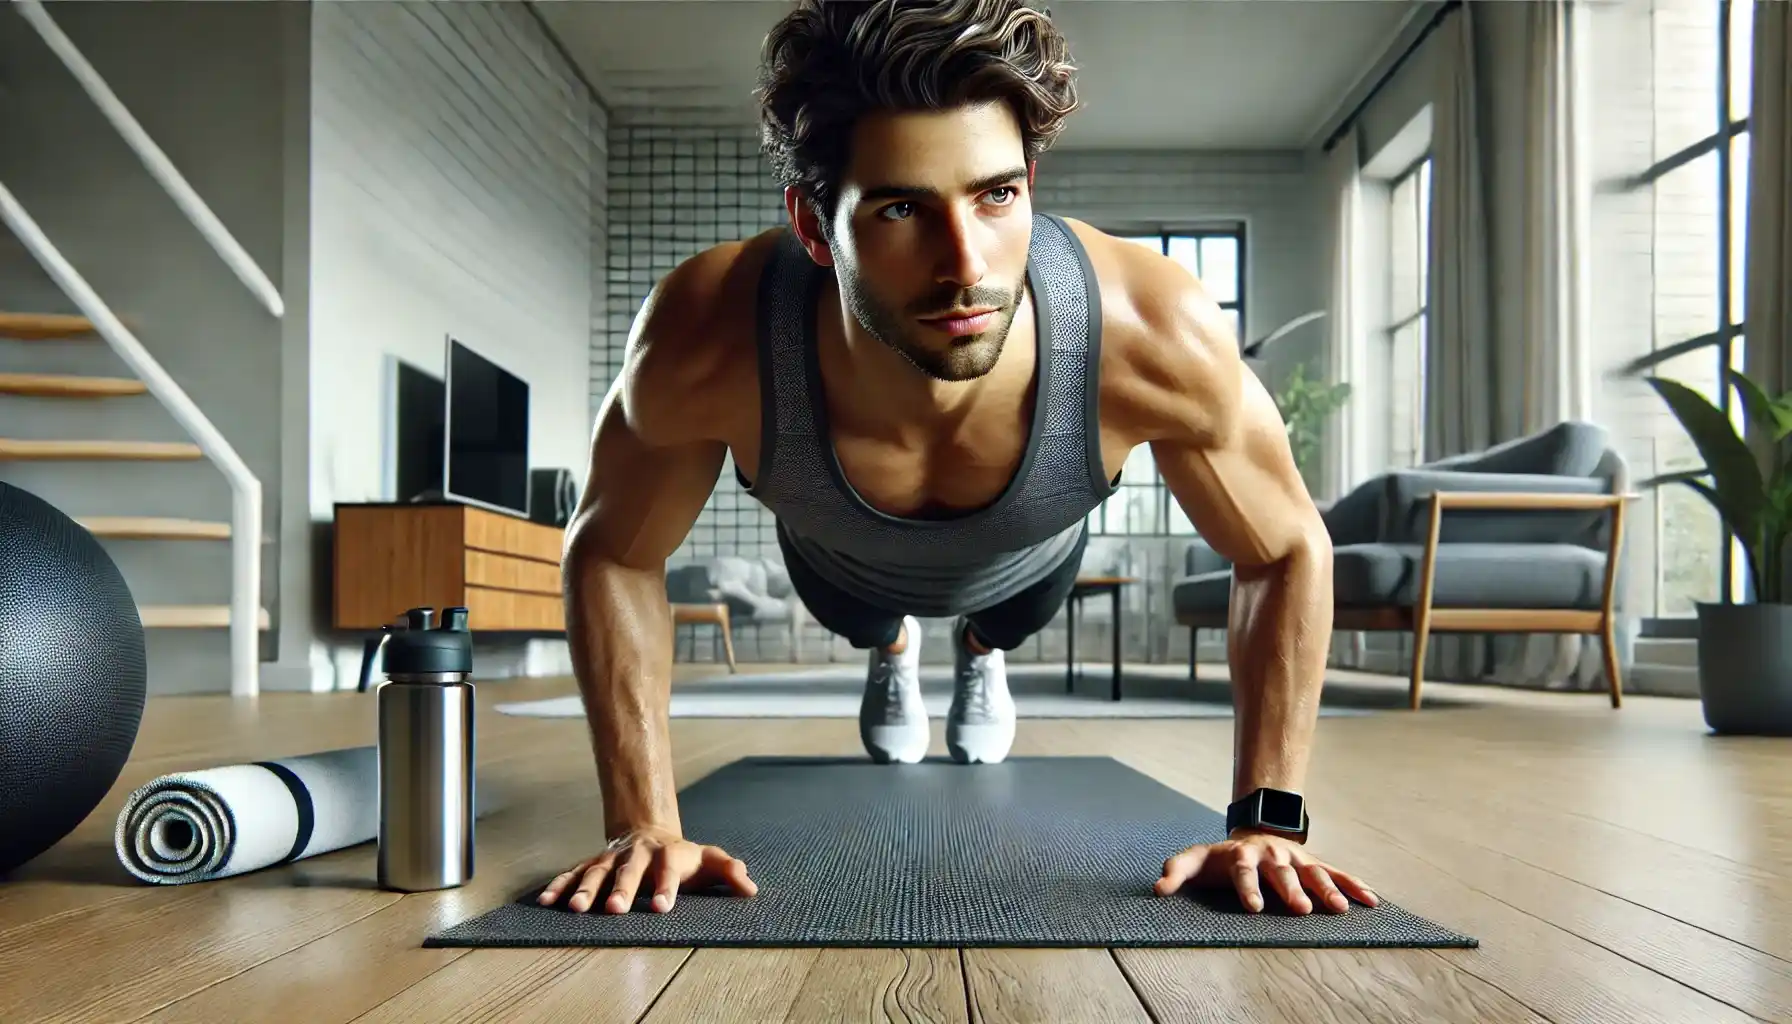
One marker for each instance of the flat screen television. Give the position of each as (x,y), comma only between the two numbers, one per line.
(419,406)
(486,438)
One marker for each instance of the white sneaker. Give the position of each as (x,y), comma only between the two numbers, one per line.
(892,719)
(980,724)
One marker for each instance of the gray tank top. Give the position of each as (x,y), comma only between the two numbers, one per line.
(934,568)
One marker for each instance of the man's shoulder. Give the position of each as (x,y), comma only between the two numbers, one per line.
(1163,336)
(693,337)
(710,292)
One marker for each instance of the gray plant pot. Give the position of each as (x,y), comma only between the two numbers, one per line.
(1745,668)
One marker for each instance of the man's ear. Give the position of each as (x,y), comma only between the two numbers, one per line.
(1032,169)
(807,224)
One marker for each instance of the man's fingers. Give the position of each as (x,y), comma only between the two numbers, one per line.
(1319,881)
(719,864)
(628,878)
(558,884)
(666,878)
(1244,878)
(1179,869)
(593,880)
(1286,882)
(1353,886)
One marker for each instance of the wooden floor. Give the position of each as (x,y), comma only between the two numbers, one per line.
(1616,865)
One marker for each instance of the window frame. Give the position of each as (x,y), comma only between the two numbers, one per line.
(1162,500)
(1730,323)
(1422,308)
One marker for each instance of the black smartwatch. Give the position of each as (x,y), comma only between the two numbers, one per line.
(1270,810)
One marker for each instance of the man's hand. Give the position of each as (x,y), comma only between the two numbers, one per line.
(1291,871)
(666,860)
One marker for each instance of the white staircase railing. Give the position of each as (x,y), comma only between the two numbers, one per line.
(160,167)
(245,488)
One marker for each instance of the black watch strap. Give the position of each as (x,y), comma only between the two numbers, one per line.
(1272,810)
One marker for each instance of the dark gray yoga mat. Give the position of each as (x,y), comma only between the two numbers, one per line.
(1035,851)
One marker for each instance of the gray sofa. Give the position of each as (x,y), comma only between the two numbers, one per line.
(1519,538)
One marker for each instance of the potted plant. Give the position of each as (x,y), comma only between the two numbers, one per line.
(1745,650)
(1306,403)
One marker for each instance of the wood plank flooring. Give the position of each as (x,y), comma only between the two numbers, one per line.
(1617,865)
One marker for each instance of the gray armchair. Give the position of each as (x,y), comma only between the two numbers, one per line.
(756,591)
(1525,537)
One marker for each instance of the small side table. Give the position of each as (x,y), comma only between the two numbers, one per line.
(1088,586)
(705,614)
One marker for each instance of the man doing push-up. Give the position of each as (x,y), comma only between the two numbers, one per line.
(930,384)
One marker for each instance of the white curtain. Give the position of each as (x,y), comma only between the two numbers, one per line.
(1461,371)
(1556,291)
(1343,198)
(1557,226)
(1459,359)
(1767,300)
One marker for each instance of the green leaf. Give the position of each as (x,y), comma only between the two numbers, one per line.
(1668,354)
(1678,477)
(1737,488)
(1775,417)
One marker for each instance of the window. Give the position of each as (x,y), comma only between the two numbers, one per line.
(1403,353)
(1700,231)
(1143,505)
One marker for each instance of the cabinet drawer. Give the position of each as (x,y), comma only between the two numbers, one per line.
(503,572)
(508,535)
(509,610)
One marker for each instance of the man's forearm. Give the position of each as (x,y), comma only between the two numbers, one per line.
(1279,637)
(620,633)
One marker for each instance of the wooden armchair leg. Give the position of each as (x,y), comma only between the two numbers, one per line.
(1421,609)
(1608,646)
(728,643)
(1421,635)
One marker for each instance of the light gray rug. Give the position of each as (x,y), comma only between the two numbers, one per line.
(1147,691)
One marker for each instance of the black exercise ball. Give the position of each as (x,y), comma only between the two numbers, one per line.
(73,675)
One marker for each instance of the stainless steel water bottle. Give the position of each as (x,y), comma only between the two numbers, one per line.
(426,753)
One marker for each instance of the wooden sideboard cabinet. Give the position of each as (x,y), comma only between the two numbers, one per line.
(504,569)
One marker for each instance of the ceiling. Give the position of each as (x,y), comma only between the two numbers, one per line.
(1202,74)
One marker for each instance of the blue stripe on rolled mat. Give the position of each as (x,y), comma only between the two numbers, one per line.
(301,798)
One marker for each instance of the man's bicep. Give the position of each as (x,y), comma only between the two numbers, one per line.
(641,498)
(1239,485)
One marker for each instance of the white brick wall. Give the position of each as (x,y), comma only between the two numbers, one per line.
(455,161)
(453,165)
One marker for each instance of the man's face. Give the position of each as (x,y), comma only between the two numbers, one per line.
(930,235)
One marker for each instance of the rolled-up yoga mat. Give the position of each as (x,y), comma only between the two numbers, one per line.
(217,822)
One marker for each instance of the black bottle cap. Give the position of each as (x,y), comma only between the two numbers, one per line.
(416,649)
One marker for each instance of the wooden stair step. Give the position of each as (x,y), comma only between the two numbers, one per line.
(154,528)
(62,385)
(148,451)
(190,616)
(43,326)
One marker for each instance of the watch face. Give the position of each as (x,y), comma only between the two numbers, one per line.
(1283,810)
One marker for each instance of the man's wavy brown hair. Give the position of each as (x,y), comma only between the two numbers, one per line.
(829,62)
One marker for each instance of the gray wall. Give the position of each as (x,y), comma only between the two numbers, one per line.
(209,83)
(457,167)
(676,189)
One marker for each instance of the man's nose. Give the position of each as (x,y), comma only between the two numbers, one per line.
(961,259)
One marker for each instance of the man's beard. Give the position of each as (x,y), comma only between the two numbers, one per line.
(967,356)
